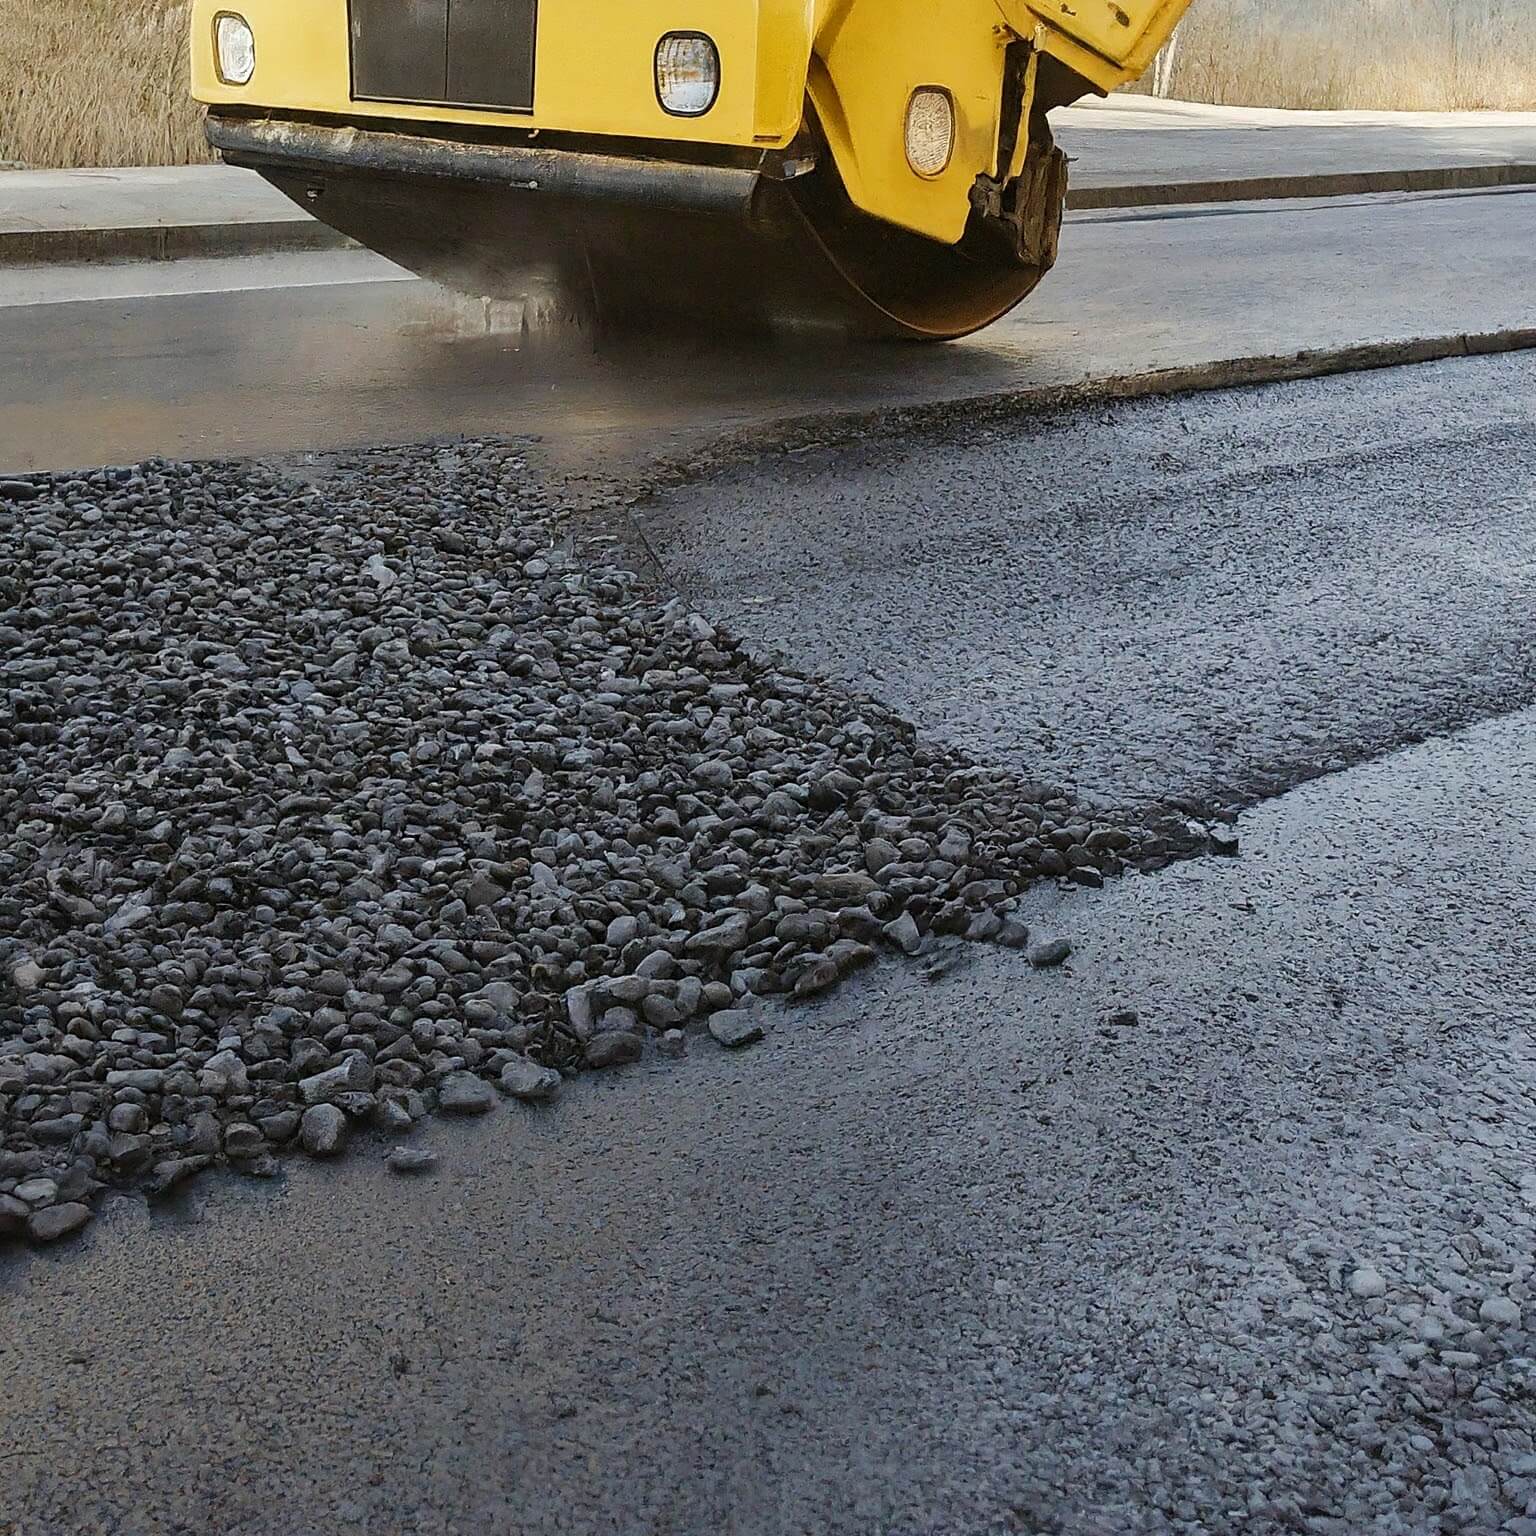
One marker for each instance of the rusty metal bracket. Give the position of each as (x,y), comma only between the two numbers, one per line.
(1025,200)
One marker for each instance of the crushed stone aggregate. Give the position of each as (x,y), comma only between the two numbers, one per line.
(364,792)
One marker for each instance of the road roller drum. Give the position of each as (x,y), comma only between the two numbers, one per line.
(873,167)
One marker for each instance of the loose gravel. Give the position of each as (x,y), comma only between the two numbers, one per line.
(333,803)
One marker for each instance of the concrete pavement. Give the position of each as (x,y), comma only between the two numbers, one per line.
(1133,151)
(148,214)
(1134,111)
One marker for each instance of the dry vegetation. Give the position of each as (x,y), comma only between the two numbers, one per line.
(1410,55)
(103,82)
(96,82)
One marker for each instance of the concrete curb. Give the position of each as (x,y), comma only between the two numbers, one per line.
(804,434)
(261,237)
(1450,178)
(166,242)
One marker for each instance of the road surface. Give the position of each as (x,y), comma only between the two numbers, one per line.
(307,353)
(950,1251)
(1225,1226)
(1016,588)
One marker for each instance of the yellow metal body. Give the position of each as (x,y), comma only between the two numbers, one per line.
(856,61)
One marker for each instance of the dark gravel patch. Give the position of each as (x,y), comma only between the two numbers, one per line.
(326,804)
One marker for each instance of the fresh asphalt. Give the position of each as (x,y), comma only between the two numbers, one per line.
(953,1252)
(1211,597)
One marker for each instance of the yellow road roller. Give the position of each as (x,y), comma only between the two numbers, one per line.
(884,167)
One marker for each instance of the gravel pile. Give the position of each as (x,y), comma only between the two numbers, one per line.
(340,803)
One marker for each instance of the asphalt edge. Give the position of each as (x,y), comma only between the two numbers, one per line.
(796,435)
(260,237)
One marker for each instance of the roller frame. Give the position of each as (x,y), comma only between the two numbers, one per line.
(641,239)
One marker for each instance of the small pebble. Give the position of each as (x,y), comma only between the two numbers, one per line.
(1050,953)
(323,1130)
(56,1221)
(736,1027)
(1224,841)
(530,1082)
(1367,1283)
(462,1093)
(1013,933)
(1500,1312)
(614,1048)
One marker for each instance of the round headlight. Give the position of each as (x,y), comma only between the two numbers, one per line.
(234,46)
(930,130)
(687,73)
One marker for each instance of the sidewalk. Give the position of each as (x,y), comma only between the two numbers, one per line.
(1129,152)
(153,213)
(1134,151)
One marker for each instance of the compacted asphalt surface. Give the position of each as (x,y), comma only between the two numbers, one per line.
(1225,1225)
(1210,596)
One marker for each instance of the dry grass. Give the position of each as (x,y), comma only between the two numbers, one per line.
(96,82)
(1409,55)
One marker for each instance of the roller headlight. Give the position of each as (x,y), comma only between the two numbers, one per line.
(930,130)
(234,46)
(687,73)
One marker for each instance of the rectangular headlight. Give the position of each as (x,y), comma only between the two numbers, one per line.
(687,73)
(234,48)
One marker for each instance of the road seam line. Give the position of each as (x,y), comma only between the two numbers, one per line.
(800,434)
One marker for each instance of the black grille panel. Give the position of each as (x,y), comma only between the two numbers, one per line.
(463,53)
(490,52)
